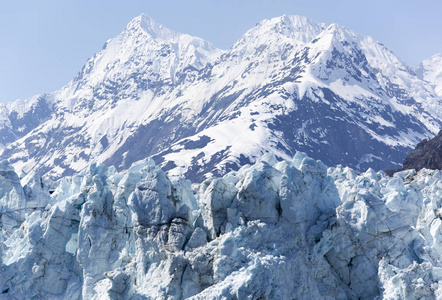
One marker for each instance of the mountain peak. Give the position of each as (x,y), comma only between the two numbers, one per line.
(286,29)
(339,33)
(148,25)
(296,21)
(292,26)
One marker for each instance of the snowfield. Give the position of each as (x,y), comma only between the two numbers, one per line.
(286,229)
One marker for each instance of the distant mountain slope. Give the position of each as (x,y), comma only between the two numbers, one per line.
(20,117)
(288,84)
(431,71)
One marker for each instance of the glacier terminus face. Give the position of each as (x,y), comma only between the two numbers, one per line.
(289,229)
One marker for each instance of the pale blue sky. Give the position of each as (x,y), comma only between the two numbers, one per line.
(43,44)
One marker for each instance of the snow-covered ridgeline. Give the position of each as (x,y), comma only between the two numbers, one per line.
(277,230)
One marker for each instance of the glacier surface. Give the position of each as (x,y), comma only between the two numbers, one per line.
(289,229)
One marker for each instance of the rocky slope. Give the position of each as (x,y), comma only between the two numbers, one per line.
(288,84)
(272,230)
(427,154)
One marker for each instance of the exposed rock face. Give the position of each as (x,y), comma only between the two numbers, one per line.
(273,230)
(427,154)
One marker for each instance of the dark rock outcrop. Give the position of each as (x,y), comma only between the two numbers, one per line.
(427,154)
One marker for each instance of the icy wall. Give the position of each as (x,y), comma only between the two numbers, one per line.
(274,230)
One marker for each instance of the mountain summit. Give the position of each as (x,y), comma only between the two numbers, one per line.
(152,28)
(288,84)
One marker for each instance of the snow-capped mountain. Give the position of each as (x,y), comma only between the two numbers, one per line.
(288,84)
(431,71)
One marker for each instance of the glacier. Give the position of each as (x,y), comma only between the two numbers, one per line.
(289,229)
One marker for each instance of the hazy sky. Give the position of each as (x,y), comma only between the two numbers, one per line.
(43,44)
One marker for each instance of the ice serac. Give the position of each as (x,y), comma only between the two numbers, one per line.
(12,199)
(288,84)
(276,230)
